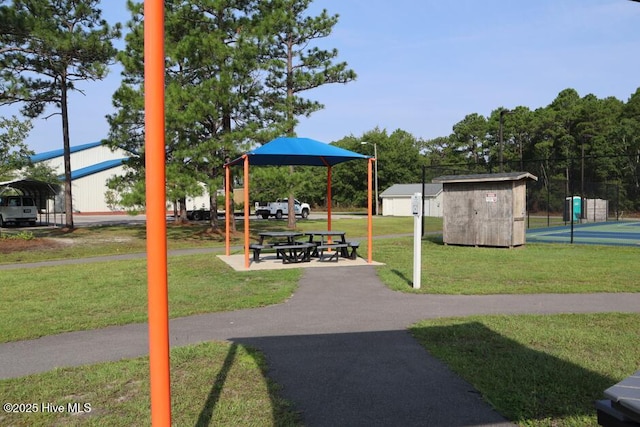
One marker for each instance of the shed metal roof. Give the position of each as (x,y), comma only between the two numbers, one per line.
(485,177)
(407,190)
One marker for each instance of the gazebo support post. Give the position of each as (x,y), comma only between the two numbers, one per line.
(369,209)
(246,211)
(328,198)
(227,208)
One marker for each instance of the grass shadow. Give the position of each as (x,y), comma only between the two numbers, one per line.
(525,385)
(435,237)
(402,277)
(206,414)
(282,415)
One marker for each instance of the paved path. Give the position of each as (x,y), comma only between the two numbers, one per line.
(340,349)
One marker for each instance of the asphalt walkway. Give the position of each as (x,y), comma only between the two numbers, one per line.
(339,347)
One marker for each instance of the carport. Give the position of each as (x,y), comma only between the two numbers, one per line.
(294,151)
(41,191)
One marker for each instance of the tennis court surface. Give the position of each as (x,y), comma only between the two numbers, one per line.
(620,233)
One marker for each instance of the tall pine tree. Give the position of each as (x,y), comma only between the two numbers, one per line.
(47,47)
(212,94)
(296,66)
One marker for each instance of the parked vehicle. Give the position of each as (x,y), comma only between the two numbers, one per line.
(199,215)
(280,208)
(17,209)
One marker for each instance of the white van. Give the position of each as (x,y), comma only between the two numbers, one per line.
(17,209)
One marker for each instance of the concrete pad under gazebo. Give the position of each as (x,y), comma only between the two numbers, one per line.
(295,151)
(271,262)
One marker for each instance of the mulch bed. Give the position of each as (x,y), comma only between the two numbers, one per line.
(16,245)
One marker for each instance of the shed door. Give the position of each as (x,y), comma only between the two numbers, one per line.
(495,217)
(459,215)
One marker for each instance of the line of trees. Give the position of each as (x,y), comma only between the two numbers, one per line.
(572,140)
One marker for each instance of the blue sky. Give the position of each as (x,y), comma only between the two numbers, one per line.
(423,65)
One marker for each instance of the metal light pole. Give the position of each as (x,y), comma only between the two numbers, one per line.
(502,113)
(375,155)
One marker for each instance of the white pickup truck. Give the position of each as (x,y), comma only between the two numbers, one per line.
(280,208)
(17,209)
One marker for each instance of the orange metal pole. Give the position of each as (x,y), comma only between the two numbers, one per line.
(227,207)
(246,215)
(157,290)
(328,198)
(369,209)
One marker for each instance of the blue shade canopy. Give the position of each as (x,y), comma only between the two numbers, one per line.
(299,152)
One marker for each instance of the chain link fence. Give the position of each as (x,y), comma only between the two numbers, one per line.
(553,201)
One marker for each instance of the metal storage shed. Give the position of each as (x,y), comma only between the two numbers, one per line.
(396,200)
(485,209)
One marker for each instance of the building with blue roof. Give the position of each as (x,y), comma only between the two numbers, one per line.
(92,165)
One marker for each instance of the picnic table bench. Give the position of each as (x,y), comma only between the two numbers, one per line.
(257,248)
(334,250)
(621,408)
(337,249)
(289,253)
(299,252)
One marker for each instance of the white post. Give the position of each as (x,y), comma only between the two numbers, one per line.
(416,209)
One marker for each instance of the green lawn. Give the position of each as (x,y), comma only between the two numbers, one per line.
(43,301)
(538,370)
(533,268)
(217,384)
(48,300)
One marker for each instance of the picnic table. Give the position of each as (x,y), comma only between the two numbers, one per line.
(285,246)
(323,240)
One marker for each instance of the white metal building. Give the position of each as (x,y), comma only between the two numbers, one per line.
(396,200)
(92,165)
